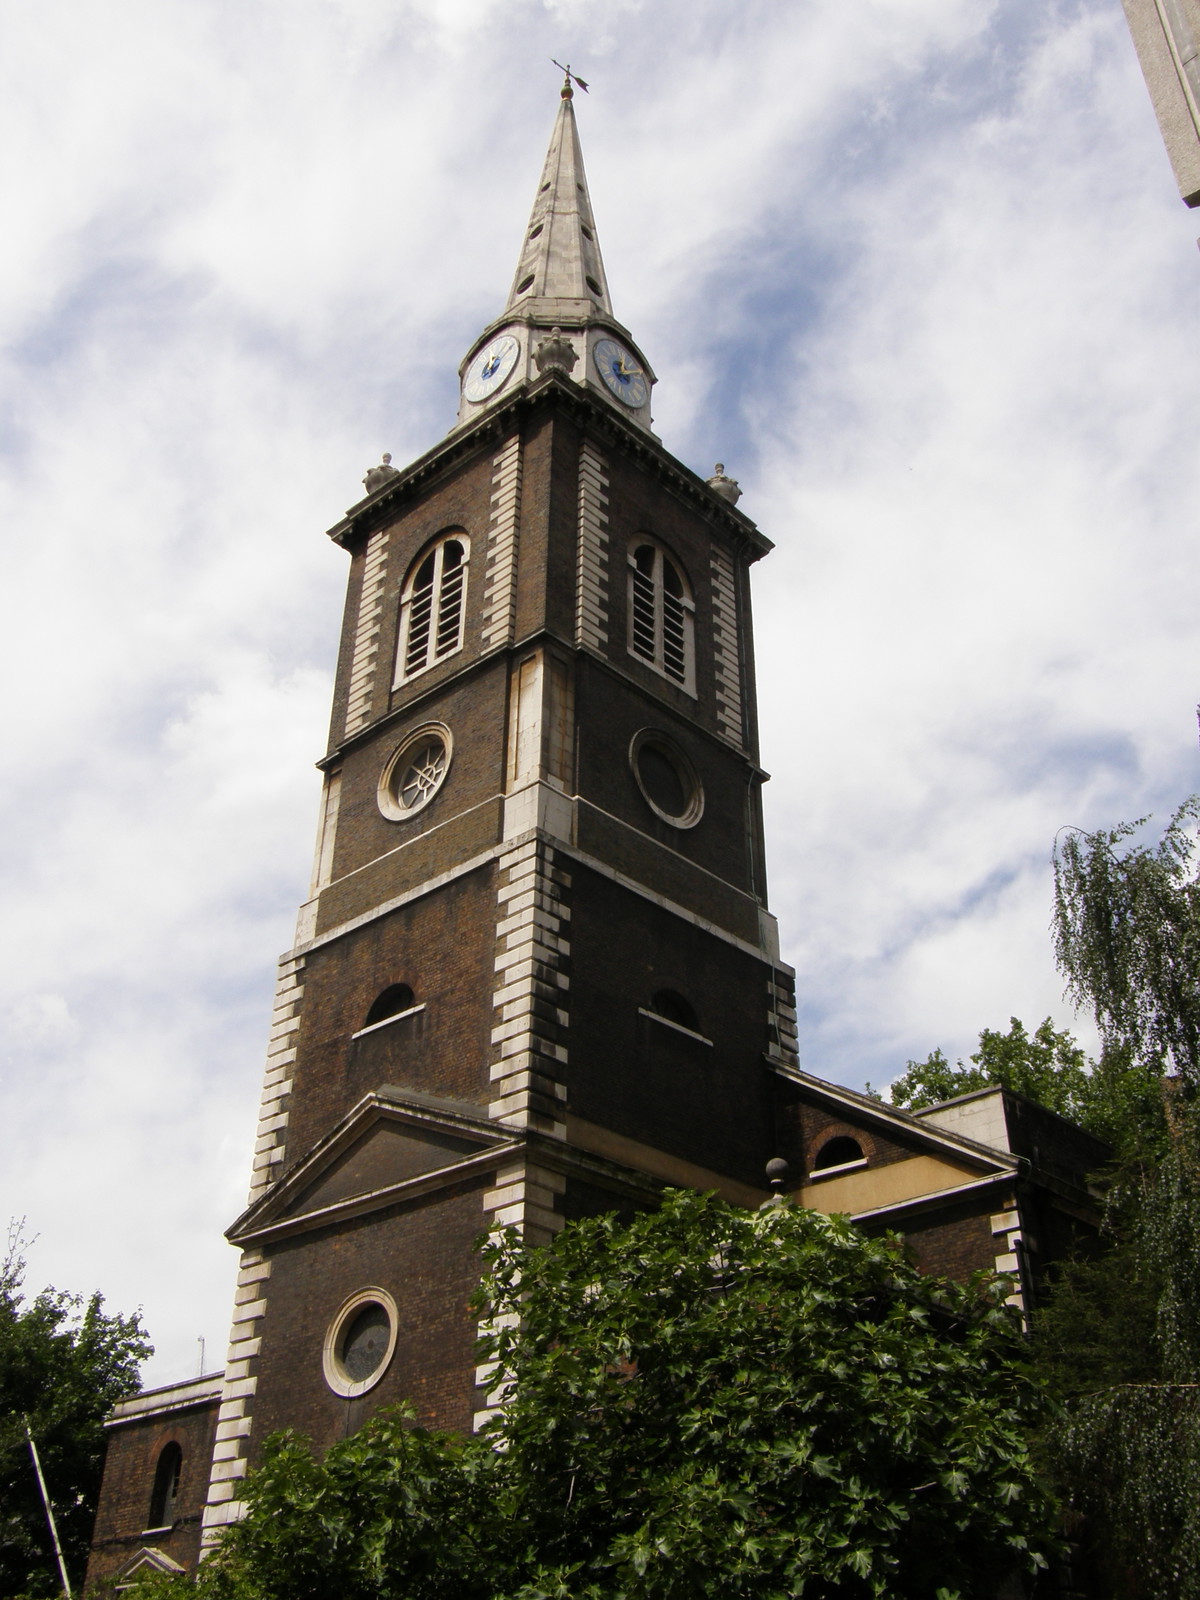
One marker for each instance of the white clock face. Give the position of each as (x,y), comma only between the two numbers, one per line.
(490,369)
(621,371)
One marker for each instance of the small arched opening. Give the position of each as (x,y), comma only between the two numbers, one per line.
(838,1152)
(166,1486)
(672,1007)
(397,997)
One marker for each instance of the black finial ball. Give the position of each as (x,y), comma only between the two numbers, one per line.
(778,1172)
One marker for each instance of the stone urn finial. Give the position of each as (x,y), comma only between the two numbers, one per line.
(779,1172)
(727,488)
(377,476)
(556,353)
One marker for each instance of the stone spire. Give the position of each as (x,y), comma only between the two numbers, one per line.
(560,273)
(558,319)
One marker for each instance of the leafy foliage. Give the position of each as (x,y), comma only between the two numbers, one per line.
(704,1402)
(1118,1098)
(394,1510)
(1098,1326)
(767,1400)
(1047,1066)
(1133,1449)
(1127,936)
(63,1364)
(1118,1340)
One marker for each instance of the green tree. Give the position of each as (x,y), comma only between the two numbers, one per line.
(707,1401)
(1118,1098)
(1127,938)
(1121,1337)
(63,1363)
(1048,1066)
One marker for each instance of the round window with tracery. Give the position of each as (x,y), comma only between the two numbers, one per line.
(415,772)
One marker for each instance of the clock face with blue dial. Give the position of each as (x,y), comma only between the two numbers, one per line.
(490,369)
(621,371)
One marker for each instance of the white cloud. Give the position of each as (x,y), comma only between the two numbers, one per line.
(915,269)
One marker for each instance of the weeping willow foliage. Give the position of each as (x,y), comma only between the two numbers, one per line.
(1135,1448)
(1127,938)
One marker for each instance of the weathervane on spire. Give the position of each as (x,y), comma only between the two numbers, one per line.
(567,92)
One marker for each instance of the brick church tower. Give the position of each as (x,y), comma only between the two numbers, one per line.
(536,977)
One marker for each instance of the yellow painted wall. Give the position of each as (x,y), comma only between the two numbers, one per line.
(871,1187)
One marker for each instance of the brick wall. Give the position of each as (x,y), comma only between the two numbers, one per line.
(423,1255)
(122,1515)
(442,947)
(640,502)
(803,1128)
(705,1103)
(610,711)
(461,501)
(474,710)
(954,1242)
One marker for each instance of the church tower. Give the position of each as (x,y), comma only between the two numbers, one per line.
(536,977)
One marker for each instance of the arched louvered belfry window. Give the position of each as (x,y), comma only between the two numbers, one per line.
(166,1486)
(432,605)
(660,614)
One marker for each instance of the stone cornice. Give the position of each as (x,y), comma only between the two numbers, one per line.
(551,392)
(541,637)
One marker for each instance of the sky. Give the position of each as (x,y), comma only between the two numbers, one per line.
(914,270)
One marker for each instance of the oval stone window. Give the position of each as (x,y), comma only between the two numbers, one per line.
(360,1342)
(666,778)
(365,1342)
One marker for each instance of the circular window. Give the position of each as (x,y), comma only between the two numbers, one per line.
(666,778)
(524,284)
(593,286)
(360,1342)
(416,771)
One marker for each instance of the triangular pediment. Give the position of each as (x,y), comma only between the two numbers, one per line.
(147,1560)
(389,1152)
(907,1132)
(395,1142)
